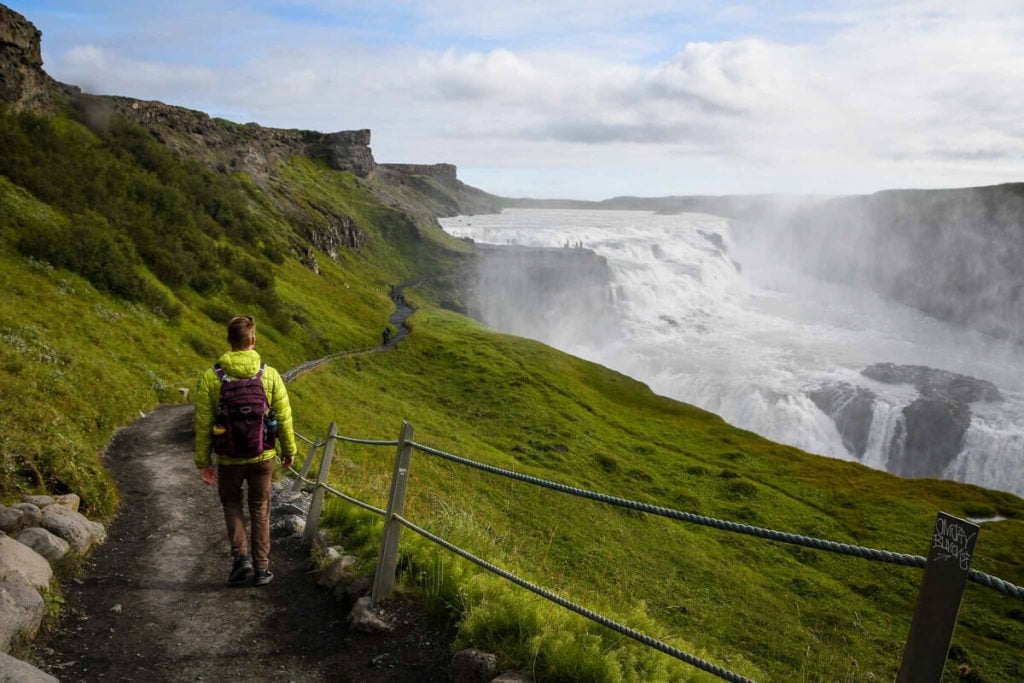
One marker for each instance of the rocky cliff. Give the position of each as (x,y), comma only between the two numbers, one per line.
(957,255)
(23,83)
(224,145)
(228,146)
(557,295)
(437,189)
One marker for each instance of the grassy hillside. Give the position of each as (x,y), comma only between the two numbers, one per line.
(91,335)
(774,612)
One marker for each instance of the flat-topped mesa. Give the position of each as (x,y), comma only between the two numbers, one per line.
(444,171)
(228,146)
(23,83)
(224,145)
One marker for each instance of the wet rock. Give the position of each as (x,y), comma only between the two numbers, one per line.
(474,666)
(33,515)
(936,422)
(17,671)
(21,610)
(365,619)
(53,548)
(12,520)
(935,428)
(73,527)
(933,382)
(17,560)
(851,408)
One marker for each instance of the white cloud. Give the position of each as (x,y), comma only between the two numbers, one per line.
(919,93)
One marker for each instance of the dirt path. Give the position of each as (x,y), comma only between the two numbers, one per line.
(153,604)
(397,320)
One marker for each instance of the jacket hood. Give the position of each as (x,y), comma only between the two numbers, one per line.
(240,364)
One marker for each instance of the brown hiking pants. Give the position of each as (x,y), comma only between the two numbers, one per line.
(229,486)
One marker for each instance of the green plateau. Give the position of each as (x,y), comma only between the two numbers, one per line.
(120,261)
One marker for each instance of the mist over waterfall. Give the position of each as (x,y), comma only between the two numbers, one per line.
(685,304)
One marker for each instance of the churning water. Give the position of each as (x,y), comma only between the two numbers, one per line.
(703,318)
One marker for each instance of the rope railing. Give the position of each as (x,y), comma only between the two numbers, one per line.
(647,640)
(354,501)
(394,521)
(865,552)
(725,525)
(365,442)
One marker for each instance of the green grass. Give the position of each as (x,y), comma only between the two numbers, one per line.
(78,359)
(775,612)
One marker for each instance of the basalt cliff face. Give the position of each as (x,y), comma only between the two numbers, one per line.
(221,144)
(439,188)
(231,147)
(24,86)
(426,191)
(957,255)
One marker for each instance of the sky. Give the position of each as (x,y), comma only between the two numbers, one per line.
(590,99)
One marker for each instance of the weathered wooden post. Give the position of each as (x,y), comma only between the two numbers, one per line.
(938,602)
(306,465)
(387,561)
(317,506)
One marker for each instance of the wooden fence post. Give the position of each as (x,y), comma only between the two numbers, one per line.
(938,602)
(387,561)
(307,464)
(317,506)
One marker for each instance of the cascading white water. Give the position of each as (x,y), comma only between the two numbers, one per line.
(706,321)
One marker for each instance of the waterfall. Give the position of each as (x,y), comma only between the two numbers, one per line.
(683,304)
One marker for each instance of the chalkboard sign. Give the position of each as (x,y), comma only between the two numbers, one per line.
(938,603)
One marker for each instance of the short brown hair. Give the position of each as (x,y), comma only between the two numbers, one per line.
(241,332)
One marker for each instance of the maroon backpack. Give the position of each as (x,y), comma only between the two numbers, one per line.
(242,414)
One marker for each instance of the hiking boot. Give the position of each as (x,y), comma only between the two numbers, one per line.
(263,577)
(241,570)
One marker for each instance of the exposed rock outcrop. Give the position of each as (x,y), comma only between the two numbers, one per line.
(931,432)
(231,147)
(851,408)
(334,234)
(932,382)
(956,254)
(438,187)
(441,171)
(224,145)
(23,83)
(562,294)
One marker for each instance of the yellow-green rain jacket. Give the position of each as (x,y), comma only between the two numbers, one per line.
(240,365)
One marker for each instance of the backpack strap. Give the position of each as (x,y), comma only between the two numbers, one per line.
(221,375)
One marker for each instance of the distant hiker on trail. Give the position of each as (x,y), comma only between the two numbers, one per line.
(386,335)
(242,412)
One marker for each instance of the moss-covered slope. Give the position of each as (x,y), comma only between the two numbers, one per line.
(120,262)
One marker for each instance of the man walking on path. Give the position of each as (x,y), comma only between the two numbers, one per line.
(242,412)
